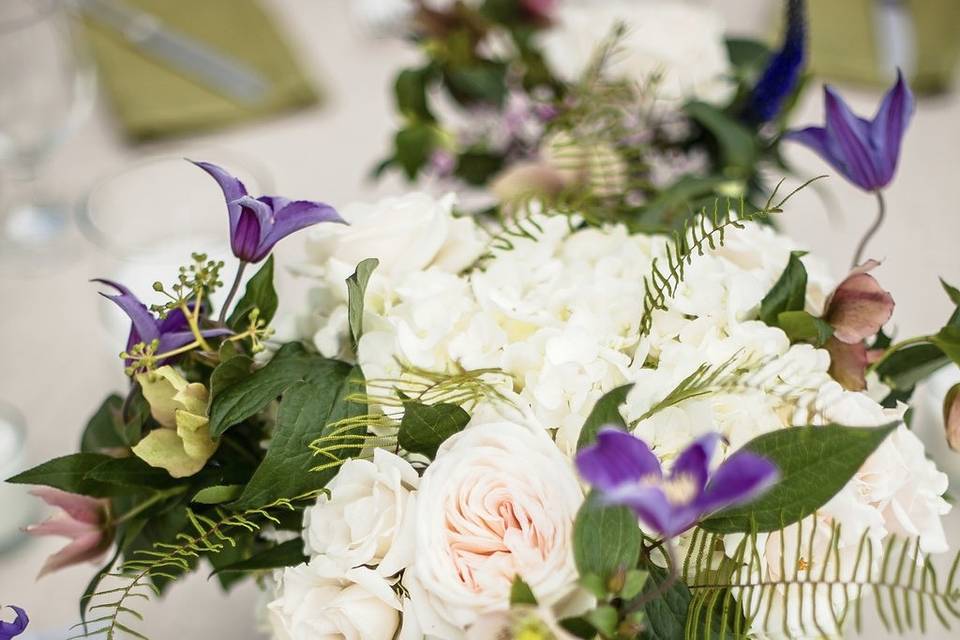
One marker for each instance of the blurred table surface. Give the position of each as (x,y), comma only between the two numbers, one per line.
(55,366)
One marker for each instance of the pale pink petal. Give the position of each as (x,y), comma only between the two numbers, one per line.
(951,417)
(848,363)
(859,306)
(85,548)
(62,526)
(82,508)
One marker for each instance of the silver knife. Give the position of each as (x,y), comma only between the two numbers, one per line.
(195,59)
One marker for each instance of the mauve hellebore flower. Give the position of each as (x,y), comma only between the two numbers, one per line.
(779,78)
(865,152)
(10,630)
(257,224)
(171,332)
(626,472)
(84,520)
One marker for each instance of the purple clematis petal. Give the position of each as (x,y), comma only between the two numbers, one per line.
(694,461)
(740,478)
(9,630)
(616,459)
(865,152)
(257,224)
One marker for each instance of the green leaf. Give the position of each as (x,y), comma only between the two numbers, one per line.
(789,293)
(229,372)
(68,473)
(413,146)
(909,365)
(259,293)
(291,364)
(737,145)
(356,290)
(485,82)
(425,427)
(948,340)
(306,411)
(605,412)
(132,472)
(801,326)
(606,540)
(285,554)
(666,614)
(604,619)
(410,90)
(633,583)
(815,463)
(476,167)
(103,430)
(952,292)
(218,494)
(747,55)
(521,593)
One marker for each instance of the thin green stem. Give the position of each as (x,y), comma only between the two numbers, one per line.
(233,292)
(149,502)
(894,348)
(881,214)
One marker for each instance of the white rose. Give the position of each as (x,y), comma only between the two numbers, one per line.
(367,517)
(681,43)
(321,601)
(498,502)
(406,234)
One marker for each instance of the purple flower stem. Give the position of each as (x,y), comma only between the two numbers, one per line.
(881,214)
(233,292)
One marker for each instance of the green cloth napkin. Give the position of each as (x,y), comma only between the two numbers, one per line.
(153,100)
(844,44)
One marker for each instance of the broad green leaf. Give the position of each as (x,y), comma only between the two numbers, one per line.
(69,473)
(410,91)
(738,147)
(952,292)
(132,472)
(291,364)
(605,412)
(789,293)
(285,554)
(521,593)
(425,427)
(801,326)
(666,614)
(478,83)
(306,411)
(674,202)
(604,619)
(229,372)
(606,539)
(948,340)
(218,494)
(356,290)
(413,145)
(746,55)
(908,366)
(815,462)
(103,430)
(259,293)
(476,166)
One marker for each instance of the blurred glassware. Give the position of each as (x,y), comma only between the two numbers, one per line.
(48,90)
(148,218)
(18,507)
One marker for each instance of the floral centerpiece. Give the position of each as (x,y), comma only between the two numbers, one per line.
(584,428)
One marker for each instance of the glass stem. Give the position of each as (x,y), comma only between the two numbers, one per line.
(233,292)
(881,214)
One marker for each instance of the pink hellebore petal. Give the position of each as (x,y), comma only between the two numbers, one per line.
(83,520)
(951,417)
(848,363)
(859,306)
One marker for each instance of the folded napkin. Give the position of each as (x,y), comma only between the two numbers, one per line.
(153,100)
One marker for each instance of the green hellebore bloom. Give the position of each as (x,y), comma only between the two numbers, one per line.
(183,444)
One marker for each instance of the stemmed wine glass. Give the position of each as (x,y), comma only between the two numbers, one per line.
(46,89)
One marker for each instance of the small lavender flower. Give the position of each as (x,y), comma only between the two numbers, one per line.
(171,332)
(257,224)
(782,72)
(626,472)
(10,630)
(865,152)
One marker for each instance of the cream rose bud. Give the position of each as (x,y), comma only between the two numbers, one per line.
(367,516)
(498,502)
(322,601)
(407,233)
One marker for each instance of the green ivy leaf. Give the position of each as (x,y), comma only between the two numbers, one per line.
(291,364)
(425,427)
(521,593)
(789,293)
(69,473)
(104,429)
(285,554)
(801,326)
(259,293)
(815,462)
(605,412)
(606,539)
(305,412)
(217,494)
(356,290)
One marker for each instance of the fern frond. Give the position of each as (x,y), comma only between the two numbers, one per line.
(814,588)
(702,232)
(133,579)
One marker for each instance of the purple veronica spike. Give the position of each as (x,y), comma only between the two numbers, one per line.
(10,630)
(865,152)
(171,332)
(257,224)
(625,471)
(782,72)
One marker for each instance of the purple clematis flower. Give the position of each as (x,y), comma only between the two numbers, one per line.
(779,78)
(257,224)
(627,472)
(865,152)
(10,630)
(171,332)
